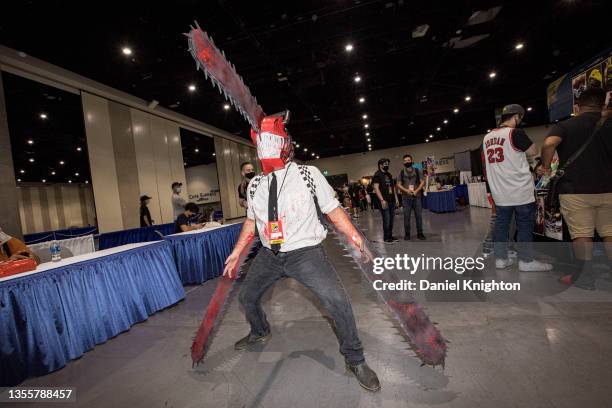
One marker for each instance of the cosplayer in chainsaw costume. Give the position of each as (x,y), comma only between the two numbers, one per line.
(282,204)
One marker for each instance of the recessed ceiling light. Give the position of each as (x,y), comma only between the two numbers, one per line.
(214,154)
(519,46)
(76,174)
(361,100)
(226,106)
(367,133)
(426,140)
(445,121)
(30,142)
(79,149)
(61,162)
(369,148)
(70,181)
(22,171)
(357,78)
(305,149)
(53,173)
(191,88)
(492,74)
(43,116)
(196,150)
(19,180)
(318,157)
(529,109)
(312,154)
(366,126)
(456,110)
(86,181)
(297,145)
(438,129)
(369,145)
(44,181)
(365,116)
(348,47)
(126,51)
(31,160)
(468,98)
(369,140)
(431,135)
(184,164)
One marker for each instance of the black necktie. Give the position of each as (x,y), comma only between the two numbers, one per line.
(273,206)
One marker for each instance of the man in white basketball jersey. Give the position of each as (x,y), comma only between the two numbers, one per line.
(505,152)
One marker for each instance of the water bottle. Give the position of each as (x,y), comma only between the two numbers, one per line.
(55,250)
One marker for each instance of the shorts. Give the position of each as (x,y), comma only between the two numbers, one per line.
(585,213)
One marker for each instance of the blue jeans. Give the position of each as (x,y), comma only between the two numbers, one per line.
(388,216)
(412,203)
(311,268)
(525,222)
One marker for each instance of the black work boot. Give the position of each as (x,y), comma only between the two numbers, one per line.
(251,340)
(365,375)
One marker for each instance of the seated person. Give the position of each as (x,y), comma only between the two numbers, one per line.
(207,218)
(182,221)
(13,249)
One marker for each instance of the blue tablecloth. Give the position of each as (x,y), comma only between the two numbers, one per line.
(201,256)
(441,201)
(134,235)
(461,191)
(58,234)
(51,317)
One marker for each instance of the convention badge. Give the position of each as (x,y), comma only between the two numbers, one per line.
(411,187)
(275,232)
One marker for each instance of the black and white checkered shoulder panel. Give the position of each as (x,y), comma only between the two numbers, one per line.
(307,176)
(254,184)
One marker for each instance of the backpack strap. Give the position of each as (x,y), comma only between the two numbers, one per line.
(307,177)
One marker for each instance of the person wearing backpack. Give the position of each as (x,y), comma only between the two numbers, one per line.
(410,184)
(585,186)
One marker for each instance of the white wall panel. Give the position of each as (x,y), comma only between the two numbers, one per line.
(102,162)
(163,170)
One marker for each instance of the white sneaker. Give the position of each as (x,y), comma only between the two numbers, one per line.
(512,254)
(534,266)
(503,263)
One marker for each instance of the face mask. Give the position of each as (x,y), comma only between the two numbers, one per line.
(178,190)
(250,175)
(385,167)
(407,165)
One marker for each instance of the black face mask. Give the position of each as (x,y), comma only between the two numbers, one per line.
(250,175)
(408,165)
(385,167)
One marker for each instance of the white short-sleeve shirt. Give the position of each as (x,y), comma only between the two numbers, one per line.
(296,207)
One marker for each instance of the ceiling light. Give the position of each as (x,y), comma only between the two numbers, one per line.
(70,181)
(44,181)
(445,121)
(43,116)
(126,51)
(79,149)
(369,148)
(348,47)
(191,88)
(365,116)
(438,129)
(297,145)
(61,162)
(30,142)
(488,130)
(369,145)
(519,46)
(53,173)
(318,157)
(196,150)
(86,181)
(367,133)
(456,110)
(529,109)
(366,126)
(22,171)
(468,98)
(214,154)
(19,180)
(184,164)
(312,154)
(431,135)
(492,74)
(305,149)
(361,100)
(226,106)
(369,140)
(76,174)
(357,78)
(31,159)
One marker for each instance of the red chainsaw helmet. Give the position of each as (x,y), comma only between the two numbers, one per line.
(274,146)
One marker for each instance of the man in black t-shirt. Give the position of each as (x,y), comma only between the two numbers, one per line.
(384,187)
(585,190)
(182,221)
(145,214)
(410,183)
